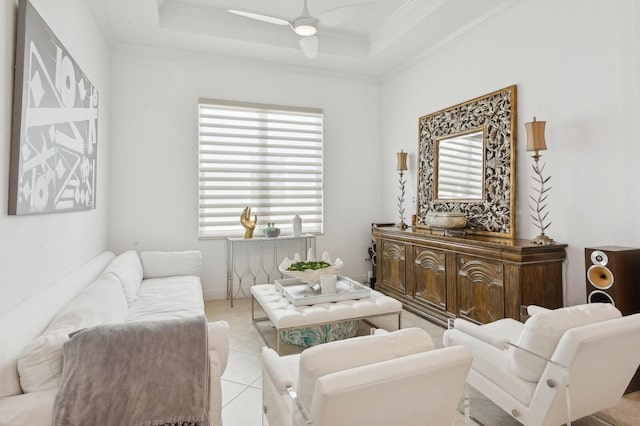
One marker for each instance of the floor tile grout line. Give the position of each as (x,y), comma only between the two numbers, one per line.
(235,397)
(242,384)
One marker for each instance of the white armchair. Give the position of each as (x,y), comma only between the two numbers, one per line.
(383,379)
(559,366)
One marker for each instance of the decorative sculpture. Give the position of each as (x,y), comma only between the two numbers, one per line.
(245,220)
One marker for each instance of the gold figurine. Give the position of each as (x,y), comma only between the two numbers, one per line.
(245,220)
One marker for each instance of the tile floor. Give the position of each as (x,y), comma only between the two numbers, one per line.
(242,380)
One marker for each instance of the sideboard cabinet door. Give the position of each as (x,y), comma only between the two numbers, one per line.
(480,289)
(429,277)
(393,266)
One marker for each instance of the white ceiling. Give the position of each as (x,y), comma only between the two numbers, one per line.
(394,33)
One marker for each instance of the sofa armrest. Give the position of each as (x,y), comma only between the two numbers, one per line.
(476,331)
(218,340)
(160,264)
(277,371)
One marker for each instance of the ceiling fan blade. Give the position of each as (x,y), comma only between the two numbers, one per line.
(309,46)
(259,17)
(339,15)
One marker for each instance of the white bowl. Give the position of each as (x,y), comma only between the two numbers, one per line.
(311,276)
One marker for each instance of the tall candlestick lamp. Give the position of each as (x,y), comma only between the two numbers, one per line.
(402,167)
(535,143)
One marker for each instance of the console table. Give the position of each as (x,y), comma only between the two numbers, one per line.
(256,259)
(478,278)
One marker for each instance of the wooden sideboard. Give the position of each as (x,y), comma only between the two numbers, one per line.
(481,279)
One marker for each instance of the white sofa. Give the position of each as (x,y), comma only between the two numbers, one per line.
(107,289)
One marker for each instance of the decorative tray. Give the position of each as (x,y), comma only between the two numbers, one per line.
(300,294)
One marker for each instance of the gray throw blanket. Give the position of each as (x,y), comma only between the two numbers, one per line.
(146,373)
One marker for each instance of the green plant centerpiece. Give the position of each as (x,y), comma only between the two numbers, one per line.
(310,270)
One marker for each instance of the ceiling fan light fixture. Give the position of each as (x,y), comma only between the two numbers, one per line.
(305,30)
(309,46)
(305,26)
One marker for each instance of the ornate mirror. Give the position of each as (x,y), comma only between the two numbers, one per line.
(466,163)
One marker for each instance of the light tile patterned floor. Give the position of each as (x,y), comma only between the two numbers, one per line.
(242,381)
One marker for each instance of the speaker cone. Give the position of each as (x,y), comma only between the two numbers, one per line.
(598,296)
(599,258)
(600,276)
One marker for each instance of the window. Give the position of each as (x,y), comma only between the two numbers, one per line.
(262,156)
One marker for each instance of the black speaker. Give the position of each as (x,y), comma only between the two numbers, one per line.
(613,276)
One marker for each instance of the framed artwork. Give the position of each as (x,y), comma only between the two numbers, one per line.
(55,124)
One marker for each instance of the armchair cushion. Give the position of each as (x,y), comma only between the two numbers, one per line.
(331,357)
(542,332)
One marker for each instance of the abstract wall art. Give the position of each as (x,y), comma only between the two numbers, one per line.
(55,124)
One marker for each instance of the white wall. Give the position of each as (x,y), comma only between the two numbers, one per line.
(36,250)
(154,169)
(575,64)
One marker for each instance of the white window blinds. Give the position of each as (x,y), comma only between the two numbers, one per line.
(265,157)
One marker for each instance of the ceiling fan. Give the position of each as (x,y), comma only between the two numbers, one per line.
(306,25)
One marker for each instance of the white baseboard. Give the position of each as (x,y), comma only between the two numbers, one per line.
(214,294)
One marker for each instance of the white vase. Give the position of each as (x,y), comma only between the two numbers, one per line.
(297,226)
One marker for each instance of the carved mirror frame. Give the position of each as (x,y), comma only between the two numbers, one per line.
(495,112)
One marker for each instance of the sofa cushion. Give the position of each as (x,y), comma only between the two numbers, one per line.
(331,357)
(542,332)
(159,264)
(40,362)
(167,298)
(128,269)
(34,314)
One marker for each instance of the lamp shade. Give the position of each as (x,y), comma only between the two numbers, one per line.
(535,135)
(402,160)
